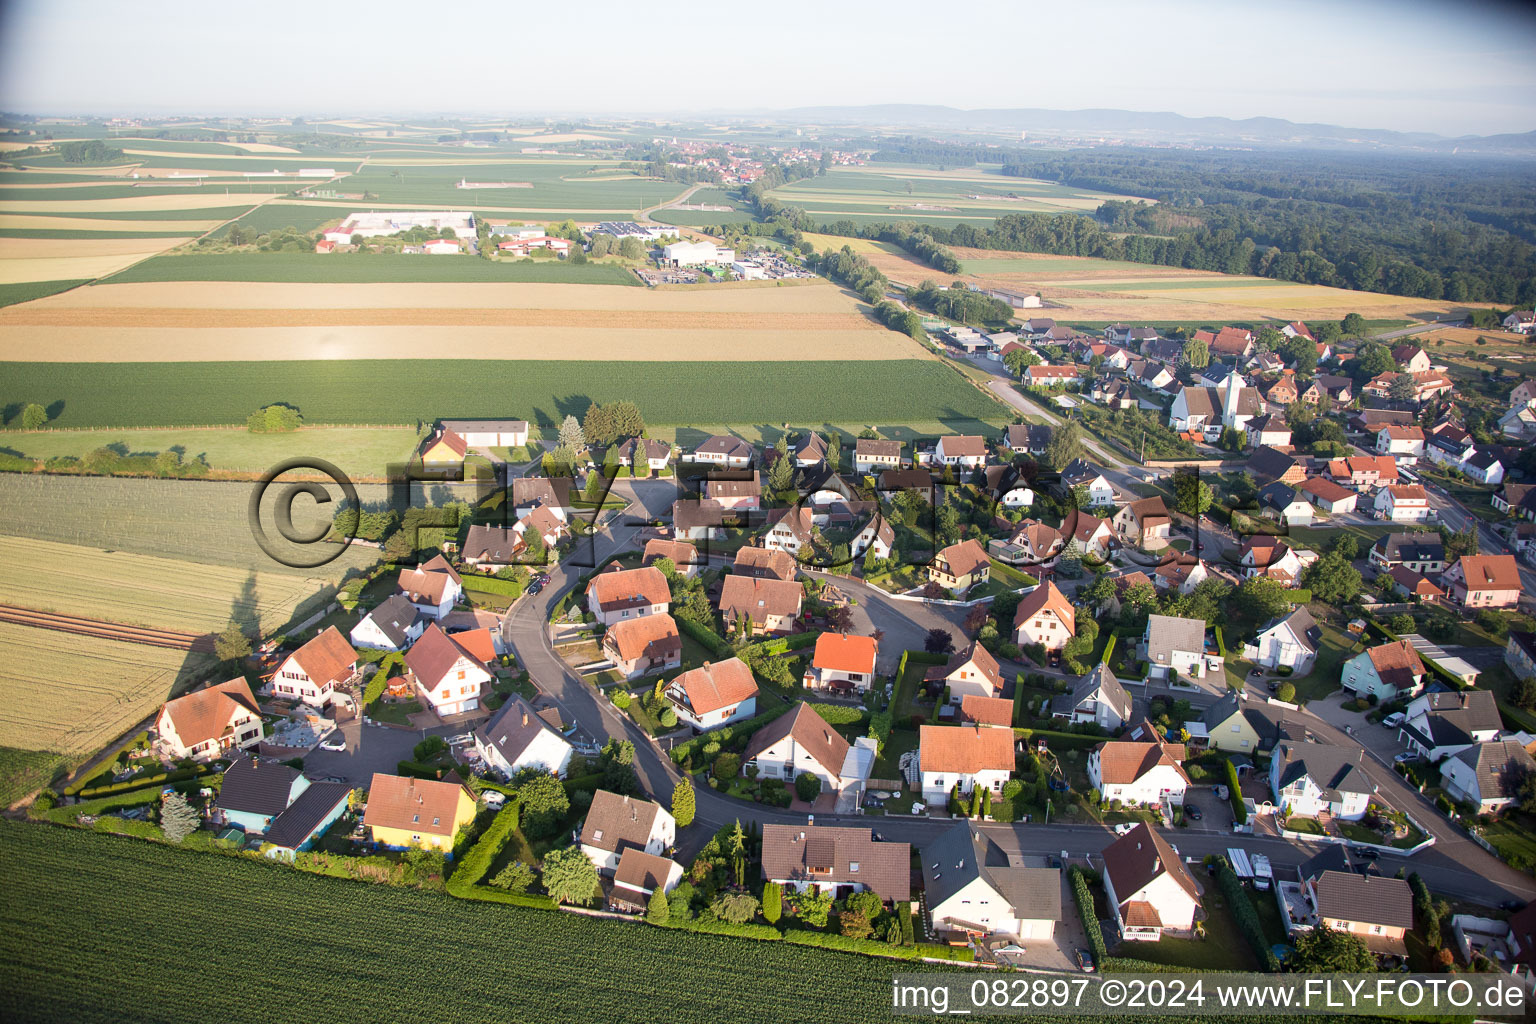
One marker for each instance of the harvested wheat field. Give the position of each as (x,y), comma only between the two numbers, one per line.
(142,590)
(147,203)
(74,259)
(1083,288)
(75,694)
(34,223)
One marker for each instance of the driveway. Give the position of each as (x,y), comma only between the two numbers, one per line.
(1373,736)
(905,623)
(370,749)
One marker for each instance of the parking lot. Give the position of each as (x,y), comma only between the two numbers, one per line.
(370,749)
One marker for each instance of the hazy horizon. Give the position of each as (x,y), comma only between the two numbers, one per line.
(1450,69)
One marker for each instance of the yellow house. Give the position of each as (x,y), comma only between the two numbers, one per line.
(444,446)
(404,812)
(1241,726)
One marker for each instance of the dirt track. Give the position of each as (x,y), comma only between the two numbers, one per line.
(106,630)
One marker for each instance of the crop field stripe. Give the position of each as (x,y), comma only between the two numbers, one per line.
(365,268)
(75,945)
(10,294)
(404,391)
(589,319)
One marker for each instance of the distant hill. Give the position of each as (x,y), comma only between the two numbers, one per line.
(1155,126)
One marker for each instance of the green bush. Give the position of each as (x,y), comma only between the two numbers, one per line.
(1084,900)
(839,714)
(155,781)
(873,947)
(1245,915)
(717,927)
(1235,794)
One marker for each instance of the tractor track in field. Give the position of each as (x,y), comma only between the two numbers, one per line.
(174,639)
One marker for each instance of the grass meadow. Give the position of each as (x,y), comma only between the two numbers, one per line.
(357,268)
(11,294)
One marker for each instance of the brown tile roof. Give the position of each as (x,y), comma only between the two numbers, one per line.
(687,515)
(759,598)
(491,544)
(1397,664)
(841,652)
(765,562)
(810,731)
(1490,572)
(1498,764)
(1264,549)
(629,588)
(980,710)
(682,553)
(655,636)
(542,520)
(1231,341)
(920,480)
(1364,899)
(964,445)
(639,871)
(827,854)
(1040,539)
(616,822)
(1122,763)
(435,654)
(206,713)
(724,444)
(429,580)
(1271,462)
(527,490)
(972,654)
(965,749)
(1397,433)
(1413,582)
(414,805)
(1046,597)
(328,658)
(734,487)
(962,559)
(1082,526)
(873,448)
(651,449)
(1141,855)
(711,687)
(1149,509)
(448,438)
(1325,490)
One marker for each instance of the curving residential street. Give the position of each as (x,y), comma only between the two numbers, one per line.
(1454,866)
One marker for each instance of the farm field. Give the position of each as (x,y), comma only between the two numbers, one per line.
(360,452)
(198,321)
(190,521)
(142,590)
(26,291)
(25,260)
(348,391)
(77,694)
(356,268)
(81,898)
(1083,288)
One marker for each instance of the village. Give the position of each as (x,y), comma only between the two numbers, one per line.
(1013,698)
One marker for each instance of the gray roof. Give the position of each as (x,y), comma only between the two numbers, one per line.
(1368,899)
(615,821)
(1263,718)
(724,444)
(295,825)
(256,786)
(1096,679)
(1270,462)
(1334,770)
(1302,624)
(1493,762)
(396,617)
(1278,496)
(1411,547)
(1330,858)
(1169,633)
(1080,471)
(1453,716)
(510,730)
(960,856)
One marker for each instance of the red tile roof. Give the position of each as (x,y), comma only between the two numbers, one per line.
(965,749)
(841,652)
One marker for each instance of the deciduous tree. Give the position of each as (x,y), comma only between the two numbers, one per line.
(683,802)
(569,876)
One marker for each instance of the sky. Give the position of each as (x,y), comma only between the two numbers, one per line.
(1453,68)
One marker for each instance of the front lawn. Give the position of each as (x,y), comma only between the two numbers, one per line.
(1335,648)
(395,712)
(1307,826)
(1223,949)
(1514,839)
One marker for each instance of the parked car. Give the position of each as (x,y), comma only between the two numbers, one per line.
(1193,812)
(1084,962)
(1364,854)
(535,587)
(334,741)
(1405,757)
(1393,720)
(1124,827)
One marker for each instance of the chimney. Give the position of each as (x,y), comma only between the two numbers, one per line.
(525,716)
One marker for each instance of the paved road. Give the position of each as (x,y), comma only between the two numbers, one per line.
(1431,325)
(1455,866)
(905,623)
(1455,516)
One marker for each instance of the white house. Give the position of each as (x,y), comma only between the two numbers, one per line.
(973,889)
(1405,444)
(793,531)
(617,823)
(209,723)
(964,450)
(963,755)
(1231,404)
(1329,496)
(516,738)
(836,861)
(434,587)
(1138,773)
(1440,724)
(1176,647)
(872,455)
(1403,503)
(1485,467)
(1387,671)
(1097,697)
(313,673)
(628,594)
(638,875)
(1149,889)
(1520,321)
(714,694)
(1287,642)
(393,626)
(801,743)
(1283,503)
(1483,774)
(639,647)
(725,450)
(490,433)
(1309,779)
(877,535)
(1080,473)
(450,671)
(1045,617)
(842,662)
(969,671)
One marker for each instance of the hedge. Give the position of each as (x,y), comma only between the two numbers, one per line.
(1018,698)
(1235,794)
(783,644)
(476,863)
(1221,642)
(741,931)
(873,947)
(1372,624)
(1060,739)
(375,688)
(1245,915)
(418,770)
(592,780)
(1084,900)
(1109,649)
(145,782)
(66,815)
(706,638)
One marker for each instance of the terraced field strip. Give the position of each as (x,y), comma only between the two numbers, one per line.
(174,639)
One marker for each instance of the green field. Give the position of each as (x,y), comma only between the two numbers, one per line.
(358,451)
(883,192)
(360,268)
(194,521)
(10,294)
(305,217)
(1047,265)
(438,184)
(408,390)
(71,233)
(701,218)
(85,906)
